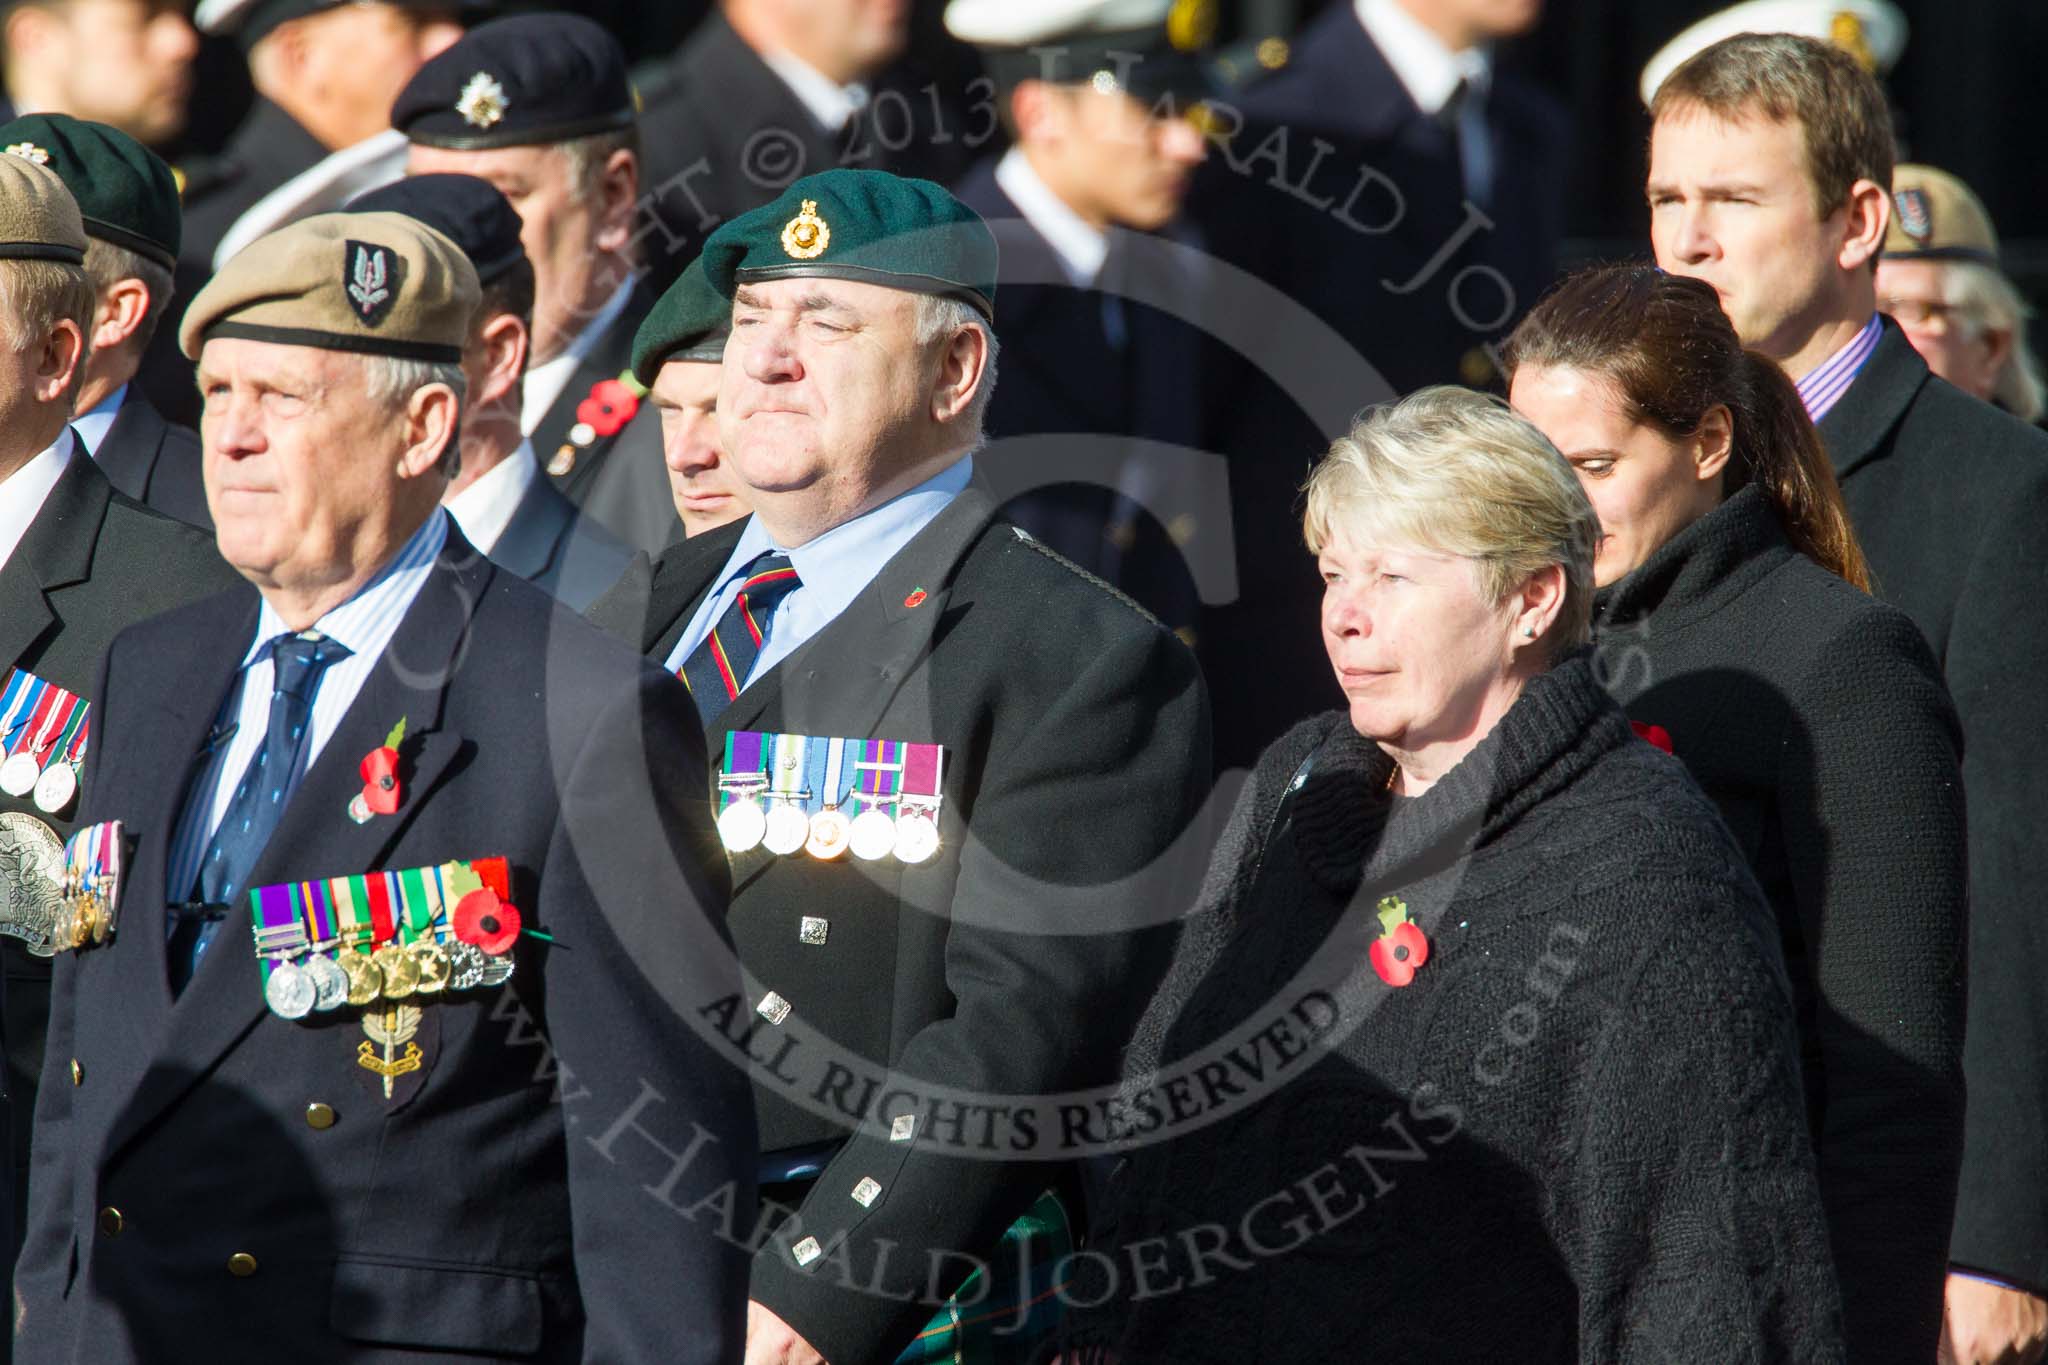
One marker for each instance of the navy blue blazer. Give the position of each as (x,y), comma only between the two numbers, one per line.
(564,553)
(155,462)
(508,1200)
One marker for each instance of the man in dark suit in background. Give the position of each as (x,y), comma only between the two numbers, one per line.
(948,887)
(499,499)
(1770,168)
(1096,310)
(539,106)
(78,563)
(766,91)
(127,63)
(491,1150)
(130,204)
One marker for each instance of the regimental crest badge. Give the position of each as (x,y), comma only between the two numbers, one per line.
(1916,215)
(1191,24)
(28,151)
(371,274)
(483,101)
(396,1051)
(807,235)
(1846,31)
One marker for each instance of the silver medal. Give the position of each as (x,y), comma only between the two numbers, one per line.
(742,825)
(56,787)
(330,982)
(785,830)
(468,963)
(873,836)
(497,970)
(917,837)
(31,882)
(18,774)
(289,992)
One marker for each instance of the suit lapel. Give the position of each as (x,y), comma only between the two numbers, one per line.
(681,579)
(531,540)
(1855,428)
(316,837)
(128,452)
(55,553)
(606,360)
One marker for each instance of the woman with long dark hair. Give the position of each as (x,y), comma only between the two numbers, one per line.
(1732,621)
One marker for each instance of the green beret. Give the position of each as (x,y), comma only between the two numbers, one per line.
(690,322)
(371,283)
(125,192)
(38,218)
(869,226)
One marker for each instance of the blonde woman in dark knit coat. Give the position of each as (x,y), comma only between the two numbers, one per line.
(1730,613)
(1479,1045)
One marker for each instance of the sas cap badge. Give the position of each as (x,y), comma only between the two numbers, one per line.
(28,151)
(1916,215)
(483,101)
(371,276)
(806,235)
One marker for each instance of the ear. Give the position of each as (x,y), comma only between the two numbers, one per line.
(1713,443)
(504,341)
(122,307)
(1538,604)
(25,31)
(59,360)
(1997,347)
(963,368)
(618,196)
(429,430)
(1035,110)
(1869,215)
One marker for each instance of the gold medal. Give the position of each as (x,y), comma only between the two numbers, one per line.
(830,832)
(401,973)
(433,966)
(365,979)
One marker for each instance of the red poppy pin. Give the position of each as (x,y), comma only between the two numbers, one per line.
(380,794)
(1655,734)
(1401,947)
(610,406)
(487,921)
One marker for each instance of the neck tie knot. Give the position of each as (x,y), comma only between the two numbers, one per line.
(719,666)
(296,660)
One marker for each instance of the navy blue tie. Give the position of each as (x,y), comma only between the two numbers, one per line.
(297,662)
(716,671)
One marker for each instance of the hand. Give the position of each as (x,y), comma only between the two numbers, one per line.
(1988,1324)
(771,1341)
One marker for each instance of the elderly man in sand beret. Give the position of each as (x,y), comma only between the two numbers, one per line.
(371,1036)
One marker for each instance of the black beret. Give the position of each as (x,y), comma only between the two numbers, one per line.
(861,225)
(689,322)
(125,192)
(518,82)
(467,211)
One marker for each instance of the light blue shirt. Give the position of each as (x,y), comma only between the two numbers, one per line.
(92,426)
(364,624)
(833,568)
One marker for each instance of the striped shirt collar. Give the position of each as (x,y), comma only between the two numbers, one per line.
(1823,386)
(366,622)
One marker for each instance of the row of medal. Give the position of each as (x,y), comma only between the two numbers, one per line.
(873,798)
(89,900)
(43,731)
(383,936)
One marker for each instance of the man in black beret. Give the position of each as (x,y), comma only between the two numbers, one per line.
(765,91)
(953,767)
(78,563)
(130,204)
(498,496)
(539,106)
(676,355)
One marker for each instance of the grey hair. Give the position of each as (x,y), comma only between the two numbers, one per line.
(940,317)
(107,264)
(1456,471)
(392,381)
(1982,295)
(37,295)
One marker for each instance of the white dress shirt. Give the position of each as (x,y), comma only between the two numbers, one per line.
(1081,247)
(1431,73)
(545,381)
(484,509)
(829,102)
(92,426)
(24,491)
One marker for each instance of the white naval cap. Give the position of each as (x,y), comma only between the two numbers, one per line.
(1873,31)
(1009,23)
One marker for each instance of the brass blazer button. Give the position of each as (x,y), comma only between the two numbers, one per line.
(111,1221)
(319,1115)
(241,1265)
(77,1072)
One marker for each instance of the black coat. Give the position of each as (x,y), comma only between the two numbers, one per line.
(555,548)
(1075,757)
(1950,498)
(1574,1135)
(723,134)
(499,1204)
(155,462)
(92,564)
(1816,719)
(620,480)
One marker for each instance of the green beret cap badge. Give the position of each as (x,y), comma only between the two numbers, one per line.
(807,235)
(28,151)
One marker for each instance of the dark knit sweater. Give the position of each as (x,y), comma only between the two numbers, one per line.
(1577,1134)
(1817,720)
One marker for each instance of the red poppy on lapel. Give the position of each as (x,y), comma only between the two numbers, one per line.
(1401,946)
(1654,734)
(486,921)
(381,793)
(610,406)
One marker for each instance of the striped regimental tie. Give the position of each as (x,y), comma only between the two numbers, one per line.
(718,667)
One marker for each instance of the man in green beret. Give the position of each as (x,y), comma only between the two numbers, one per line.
(129,201)
(676,357)
(394,830)
(78,563)
(941,810)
